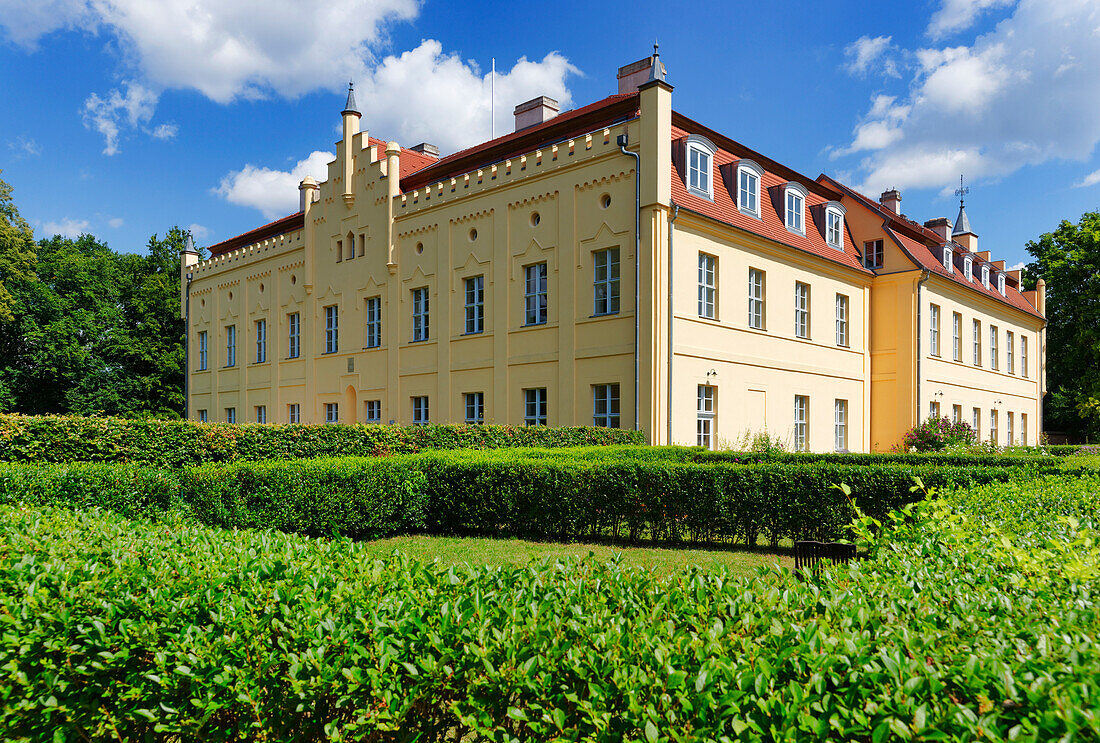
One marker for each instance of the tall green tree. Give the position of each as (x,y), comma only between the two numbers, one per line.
(1068,260)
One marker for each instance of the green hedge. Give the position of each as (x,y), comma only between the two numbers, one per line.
(130,490)
(962,627)
(181,443)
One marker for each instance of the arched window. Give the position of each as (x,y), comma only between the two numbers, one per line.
(834,225)
(985,276)
(1001,283)
(749,176)
(794,202)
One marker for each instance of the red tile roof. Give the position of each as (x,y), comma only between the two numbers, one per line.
(280,226)
(923,246)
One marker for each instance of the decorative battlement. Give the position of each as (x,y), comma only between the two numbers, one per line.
(264,248)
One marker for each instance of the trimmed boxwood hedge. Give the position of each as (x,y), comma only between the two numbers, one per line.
(181,443)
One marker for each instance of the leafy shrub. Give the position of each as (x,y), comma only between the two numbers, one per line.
(937,434)
(180,443)
(975,620)
(129,490)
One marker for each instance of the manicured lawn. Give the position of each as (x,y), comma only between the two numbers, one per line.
(457,551)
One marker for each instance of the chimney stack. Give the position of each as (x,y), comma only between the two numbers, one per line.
(308,192)
(535,111)
(891,200)
(633,75)
(426,149)
(941,227)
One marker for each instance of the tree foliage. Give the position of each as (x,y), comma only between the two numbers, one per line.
(1068,260)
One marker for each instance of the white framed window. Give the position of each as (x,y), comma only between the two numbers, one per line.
(708,286)
(1010,435)
(420,410)
(605,405)
(948,259)
(332,412)
(1010,352)
(968,268)
(294,413)
(956,413)
(605,282)
(801,310)
(834,225)
(934,410)
(749,176)
(230,415)
(874,254)
(706,416)
(261,414)
(956,336)
(261,341)
(1023,429)
(420,314)
(294,335)
(842,320)
(757,288)
(993,426)
(976,423)
(977,343)
(801,422)
(202,350)
(475,305)
(1001,283)
(534,294)
(934,329)
(474,402)
(534,407)
(230,345)
(1023,356)
(840,425)
(203,416)
(985,276)
(374,411)
(332,329)
(374,322)
(994,355)
(794,213)
(700,166)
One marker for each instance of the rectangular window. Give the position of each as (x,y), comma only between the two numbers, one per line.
(1010,352)
(203,416)
(976,423)
(956,336)
(534,407)
(934,409)
(475,407)
(873,254)
(374,411)
(230,345)
(230,415)
(708,285)
(841,320)
(706,416)
(756,298)
(956,413)
(795,204)
(1023,429)
(605,282)
(801,422)
(994,356)
(261,414)
(420,314)
(202,350)
(332,329)
(801,310)
(475,304)
(420,410)
(1010,435)
(934,329)
(699,171)
(977,343)
(534,294)
(605,405)
(261,341)
(362,244)
(294,335)
(374,322)
(840,425)
(339,251)
(749,188)
(834,228)
(294,413)
(1023,356)
(332,412)
(993,426)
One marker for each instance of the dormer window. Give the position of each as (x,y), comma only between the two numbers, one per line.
(794,200)
(749,175)
(700,166)
(834,225)
(948,263)
(1001,283)
(968,268)
(985,276)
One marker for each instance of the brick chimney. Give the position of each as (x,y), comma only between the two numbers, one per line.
(891,200)
(535,111)
(940,226)
(633,75)
(426,149)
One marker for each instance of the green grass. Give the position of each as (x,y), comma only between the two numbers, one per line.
(512,552)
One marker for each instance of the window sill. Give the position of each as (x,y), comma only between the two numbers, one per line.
(700,193)
(373,348)
(604,314)
(534,324)
(748,213)
(420,340)
(472,332)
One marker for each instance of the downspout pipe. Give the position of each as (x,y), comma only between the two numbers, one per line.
(671,221)
(622,140)
(187,349)
(924,276)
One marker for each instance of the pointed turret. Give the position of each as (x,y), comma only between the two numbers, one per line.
(350,107)
(962,234)
(656,69)
(346,149)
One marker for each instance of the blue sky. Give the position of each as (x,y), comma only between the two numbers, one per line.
(125,117)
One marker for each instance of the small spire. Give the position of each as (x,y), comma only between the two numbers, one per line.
(656,69)
(350,107)
(188,243)
(962,223)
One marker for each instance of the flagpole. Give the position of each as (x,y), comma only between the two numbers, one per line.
(493,101)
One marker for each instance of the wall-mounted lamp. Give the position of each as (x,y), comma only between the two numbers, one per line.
(712,373)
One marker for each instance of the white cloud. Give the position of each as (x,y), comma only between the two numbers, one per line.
(26,22)
(1089,180)
(116,222)
(24,147)
(164,131)
(68,227)
(959,15)
(866,51)
(1022,94)
(135,108)
(198,231)
(1016,266)
(273,192)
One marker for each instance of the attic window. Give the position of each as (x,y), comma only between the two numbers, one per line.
(749,175)
(968,268)
(794,199)
(948,263)
(985,276)
(834,225)
(1001,283)
(700,165)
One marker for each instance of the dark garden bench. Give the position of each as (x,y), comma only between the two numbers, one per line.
(810,557)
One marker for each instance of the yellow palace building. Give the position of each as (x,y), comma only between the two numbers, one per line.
(618,265)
